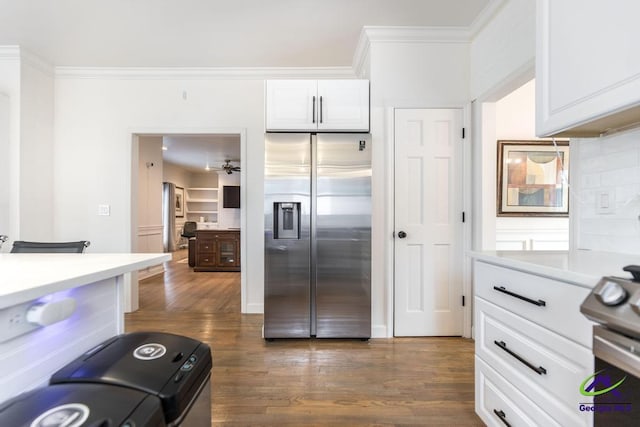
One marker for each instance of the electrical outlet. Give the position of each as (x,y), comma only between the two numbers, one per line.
(13,321)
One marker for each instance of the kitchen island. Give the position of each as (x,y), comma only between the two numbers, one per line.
(93,282)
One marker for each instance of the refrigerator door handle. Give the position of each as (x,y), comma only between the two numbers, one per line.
(320,108)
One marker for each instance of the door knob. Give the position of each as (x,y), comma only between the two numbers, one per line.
(402,234)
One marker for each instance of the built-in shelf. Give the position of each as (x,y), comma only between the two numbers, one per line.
(202,201)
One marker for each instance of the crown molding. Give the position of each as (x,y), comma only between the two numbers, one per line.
(208,73)
(374,34)
(417,34)
(37,62)
(361,53)
(23,56)
(485,16)
(9,52)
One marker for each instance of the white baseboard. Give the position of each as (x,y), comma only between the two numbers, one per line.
(255,308)
(379,331)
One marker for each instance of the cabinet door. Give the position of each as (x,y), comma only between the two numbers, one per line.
(227,252)
(587,69)
(343,105)
(290,105)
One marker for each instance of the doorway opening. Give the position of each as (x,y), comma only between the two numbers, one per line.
(511,117)
(198,167)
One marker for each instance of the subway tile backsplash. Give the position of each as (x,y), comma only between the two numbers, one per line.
(607,199)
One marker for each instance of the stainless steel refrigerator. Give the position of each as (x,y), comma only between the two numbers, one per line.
(317,236)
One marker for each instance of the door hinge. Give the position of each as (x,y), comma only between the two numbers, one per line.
(463,133)
(463,217)
(463,300)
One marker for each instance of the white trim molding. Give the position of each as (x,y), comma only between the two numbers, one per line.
(36,62)
(9,52)
(24,56)
(417,34)
(204,73)
(377,34)
(485,16)
(149,230)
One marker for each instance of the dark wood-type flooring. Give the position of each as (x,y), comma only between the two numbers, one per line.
(382,382)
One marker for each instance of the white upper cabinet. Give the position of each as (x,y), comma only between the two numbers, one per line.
(587,66)
(317,105)
(343,105)
(291,104)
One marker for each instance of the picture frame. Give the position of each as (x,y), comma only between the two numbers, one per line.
(179,202)
(533,178)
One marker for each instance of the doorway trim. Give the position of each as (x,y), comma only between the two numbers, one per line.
(133,208)
(389,111)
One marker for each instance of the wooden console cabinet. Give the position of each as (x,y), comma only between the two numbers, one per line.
(217,250)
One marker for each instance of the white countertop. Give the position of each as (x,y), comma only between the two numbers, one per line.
(583,268)
(24,277)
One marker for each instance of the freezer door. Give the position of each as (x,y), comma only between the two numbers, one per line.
(343,236)
(287,266)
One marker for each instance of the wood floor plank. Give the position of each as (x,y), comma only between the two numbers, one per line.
(382,382)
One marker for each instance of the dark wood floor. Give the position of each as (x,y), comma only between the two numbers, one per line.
(383,382)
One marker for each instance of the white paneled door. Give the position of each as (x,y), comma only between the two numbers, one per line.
(428,222)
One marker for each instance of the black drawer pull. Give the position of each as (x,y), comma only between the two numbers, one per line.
(504,290)
(538,370)
(502,417)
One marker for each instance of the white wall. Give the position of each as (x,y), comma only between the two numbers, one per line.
(515,120)
(403,74)
(502,58)
(607,168)
(95,118)
(150,173)
(10,150)
(36,150)
(5,176)
(27,82)
(175,174)
(504,50)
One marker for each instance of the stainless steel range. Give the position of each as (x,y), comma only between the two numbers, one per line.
(614,304)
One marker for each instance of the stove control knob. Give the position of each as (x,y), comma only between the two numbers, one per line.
(610,293)
(634,302)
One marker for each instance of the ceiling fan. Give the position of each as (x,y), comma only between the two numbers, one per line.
(229,168)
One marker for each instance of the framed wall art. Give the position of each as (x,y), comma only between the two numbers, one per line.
(533,178)
(179,202)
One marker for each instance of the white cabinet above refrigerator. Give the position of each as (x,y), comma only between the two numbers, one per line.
(317,105)
(587,67)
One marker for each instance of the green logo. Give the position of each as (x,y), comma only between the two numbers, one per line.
(599,380)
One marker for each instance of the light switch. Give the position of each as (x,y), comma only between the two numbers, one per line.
(605,202)
(104,210)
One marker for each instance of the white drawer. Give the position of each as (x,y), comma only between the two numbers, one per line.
(498,402)
(550,303)
(550,367)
